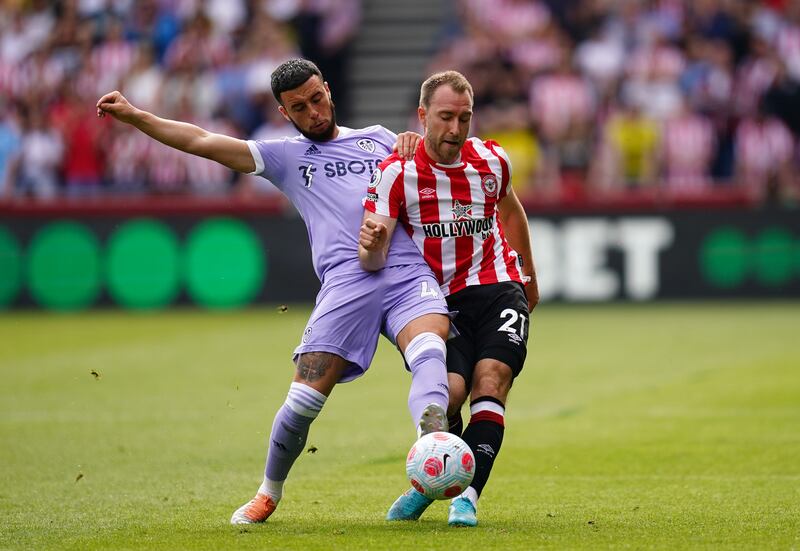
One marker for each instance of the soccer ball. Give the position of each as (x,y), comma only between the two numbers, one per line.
(440,465)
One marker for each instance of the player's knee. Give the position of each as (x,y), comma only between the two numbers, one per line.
(492,378)
(424,346)
(440,326)
(319,370)
(436,324)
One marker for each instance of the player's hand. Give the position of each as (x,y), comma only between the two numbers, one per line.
(372,235)
(115,104)
(406,145)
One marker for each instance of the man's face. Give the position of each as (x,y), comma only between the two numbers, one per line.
(446,122)
(310,109)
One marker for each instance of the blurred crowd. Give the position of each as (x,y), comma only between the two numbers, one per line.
(603,97)
(589,97)
(201,61)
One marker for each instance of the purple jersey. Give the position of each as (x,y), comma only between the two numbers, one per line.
(327,182)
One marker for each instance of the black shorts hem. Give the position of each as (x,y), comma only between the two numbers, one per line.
(515,359)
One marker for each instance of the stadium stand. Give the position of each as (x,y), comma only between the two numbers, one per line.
(661,99)
(642,103)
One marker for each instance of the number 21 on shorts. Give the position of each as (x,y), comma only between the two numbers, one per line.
(509,326)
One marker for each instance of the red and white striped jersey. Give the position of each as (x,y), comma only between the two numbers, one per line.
(450,211)
(763,147)
(688,145)
(559,102)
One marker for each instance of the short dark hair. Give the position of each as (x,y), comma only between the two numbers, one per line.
(291,74)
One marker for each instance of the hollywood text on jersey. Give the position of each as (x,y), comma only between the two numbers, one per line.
(460,228)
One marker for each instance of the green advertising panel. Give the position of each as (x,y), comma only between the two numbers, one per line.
(224,263)
(724,258)
(228,261)
(774,257)
(143,264)
(64,266)
(10,267)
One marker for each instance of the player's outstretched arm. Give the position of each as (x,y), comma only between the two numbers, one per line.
(231,152)
(373,240)
(515,225)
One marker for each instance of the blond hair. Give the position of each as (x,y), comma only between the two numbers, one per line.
(453,79)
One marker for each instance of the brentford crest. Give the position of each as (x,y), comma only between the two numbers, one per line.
(489,185)
(366,144)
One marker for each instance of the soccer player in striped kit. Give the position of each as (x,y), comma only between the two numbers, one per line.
(456,202)
(323,172)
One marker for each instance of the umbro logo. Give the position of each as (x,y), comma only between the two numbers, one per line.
(487,449)
(313,150)
(427,192)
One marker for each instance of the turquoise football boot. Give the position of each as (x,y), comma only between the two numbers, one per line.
(462,513)
(408,506)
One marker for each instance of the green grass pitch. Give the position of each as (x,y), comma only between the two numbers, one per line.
(632,427)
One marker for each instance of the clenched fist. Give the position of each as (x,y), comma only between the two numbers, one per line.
(115,104)
(372,235)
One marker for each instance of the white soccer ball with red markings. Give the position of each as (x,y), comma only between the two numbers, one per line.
(440,465)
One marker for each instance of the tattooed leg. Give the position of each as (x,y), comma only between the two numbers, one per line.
(319,370)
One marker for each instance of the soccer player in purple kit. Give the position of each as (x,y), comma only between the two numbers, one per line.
(324,172)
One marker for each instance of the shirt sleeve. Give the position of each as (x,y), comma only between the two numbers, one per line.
(270,159)
(505,166)
(385,192)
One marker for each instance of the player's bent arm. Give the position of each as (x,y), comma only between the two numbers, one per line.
(515,226)
(373,240)
(231,152)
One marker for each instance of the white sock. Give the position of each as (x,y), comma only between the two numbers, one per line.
(471,495)
(272,488)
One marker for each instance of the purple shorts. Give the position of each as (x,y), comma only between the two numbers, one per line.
(353,309)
